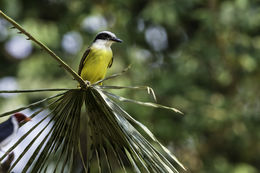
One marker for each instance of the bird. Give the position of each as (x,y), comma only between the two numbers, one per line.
(98,57)
(9,128)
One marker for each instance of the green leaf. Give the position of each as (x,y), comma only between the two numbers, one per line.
(149,89)
(141,103)
(107,129)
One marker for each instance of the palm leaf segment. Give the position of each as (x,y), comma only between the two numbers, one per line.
(90,137)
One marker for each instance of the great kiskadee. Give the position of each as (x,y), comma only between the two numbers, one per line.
(98,57)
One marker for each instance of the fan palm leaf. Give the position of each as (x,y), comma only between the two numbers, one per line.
(103,130)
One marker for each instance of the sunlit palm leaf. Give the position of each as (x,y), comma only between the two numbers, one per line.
(141,103)
(136,144)
(64,133)
(149,89)
(97,137)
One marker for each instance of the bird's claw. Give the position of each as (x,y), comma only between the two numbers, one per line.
(87,83)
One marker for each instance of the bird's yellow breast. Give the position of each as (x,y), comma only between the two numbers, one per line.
(95,64)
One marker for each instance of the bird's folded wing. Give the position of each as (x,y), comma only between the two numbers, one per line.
(82,61)
(111,62)
(6,129)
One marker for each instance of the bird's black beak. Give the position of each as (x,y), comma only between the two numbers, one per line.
(116,40)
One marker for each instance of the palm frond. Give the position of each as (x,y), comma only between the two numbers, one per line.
(136,144)
(29,131)
(64,132)
(147,88)
(155,105)
(95,138)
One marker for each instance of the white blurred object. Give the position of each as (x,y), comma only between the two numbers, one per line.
(8,83)
(156,37)
(140,25)
(142,54)
(94,24)
(72,42)
(18,47)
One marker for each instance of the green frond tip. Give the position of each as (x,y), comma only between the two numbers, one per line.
(149,104)
(99,137)
(149,89)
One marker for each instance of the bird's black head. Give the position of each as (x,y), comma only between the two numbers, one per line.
(21,117)
(106,35)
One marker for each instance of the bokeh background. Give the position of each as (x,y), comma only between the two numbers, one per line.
(201,57)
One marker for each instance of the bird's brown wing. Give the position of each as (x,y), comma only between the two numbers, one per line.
(110,63)
(81,64)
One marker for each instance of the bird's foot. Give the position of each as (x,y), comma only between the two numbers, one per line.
(87,83)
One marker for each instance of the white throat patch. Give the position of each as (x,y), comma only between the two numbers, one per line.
(102,44)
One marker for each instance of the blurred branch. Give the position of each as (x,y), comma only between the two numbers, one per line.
(30,37)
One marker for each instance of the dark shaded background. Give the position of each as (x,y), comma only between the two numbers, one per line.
(201,57)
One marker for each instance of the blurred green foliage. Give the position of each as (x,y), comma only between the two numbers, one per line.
(201,57)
